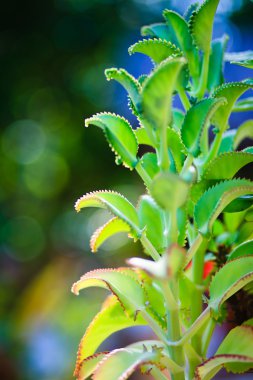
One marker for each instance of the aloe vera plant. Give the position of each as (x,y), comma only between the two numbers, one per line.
(195,218)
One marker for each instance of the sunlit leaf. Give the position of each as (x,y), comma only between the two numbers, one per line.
(157,94)
(215,200)
(110,319)
(131,85)
(226,165)
(196,120)
(149,163)
(158,50)
(113,202)
(201,24)
(169,191)
(143,137)
(244,249)
(178,118)
(234,353)
(231,91)
(151,219)
(88,365)
(119,134)
(112,227)
(243,132)
(184,38)
(232,277)
(121,363)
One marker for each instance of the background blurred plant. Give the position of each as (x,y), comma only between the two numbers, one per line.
(52,59)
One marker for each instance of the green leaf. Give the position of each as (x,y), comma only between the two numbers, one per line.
(215,200)
(143,137)
(232,277)
(231,91)
(169,191)
(149,163)
(182,223)
(121,363)
(122,282)
(226,165)
(184,39)
(189,11)
(243,132)
(244,249)
(112,227)
(131,85)
(176,147)
(201,24)
(215,74)
(227,141)
(110,319)
(178,118)
(158,50)
(196,120)
(158,30)
(247,63)
(151,219)
(114,203)
(89,364)
(243,105)
(239,204)
(119,134)
(234,353)
(157,94)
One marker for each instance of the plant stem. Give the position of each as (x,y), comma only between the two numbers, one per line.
(173,231)
(149,247)
(197,303)
(143,174)
(187,163)
(204,75)
(214,148)
(183,97)
(194,248)
(207,336)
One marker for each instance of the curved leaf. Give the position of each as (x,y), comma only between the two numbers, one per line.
(244,249)
(239,56)
(158,30)
(184,38)
(149,163)
(119,134)
(216,64)
(176,147)
(157,94)
(121,363)
(201,24)
(196,120)
(151,219)
(226,165)
(244,131)
(232,277)
(113,202)
(122,282)
(227,141)
(247,63)
(143,137)
(178,118)
(215,199)
(231,91)
(158,50)
(243,105)
(88,365)
(131,85)
(169,191)
(234,353)
(189,11)
(110,319)
(112,227)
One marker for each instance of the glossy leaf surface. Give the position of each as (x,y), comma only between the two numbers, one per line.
(119,134)
(243,132)
(244,249)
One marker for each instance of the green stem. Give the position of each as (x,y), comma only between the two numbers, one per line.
(170,301)
(173,230)
(204,76)
(157,374)
(207,336)
(204,141)
(143,174)
(183,97)
(149,247)
(154,326)
(194,248)
(187,163)
(214,148)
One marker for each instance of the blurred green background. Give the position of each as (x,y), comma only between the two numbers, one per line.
(53,56)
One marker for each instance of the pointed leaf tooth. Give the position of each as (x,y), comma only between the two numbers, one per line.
(88,365)
(112,227)
(189,11)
